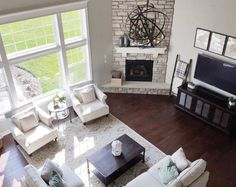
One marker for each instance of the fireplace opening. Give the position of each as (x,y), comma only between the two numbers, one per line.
(138,70)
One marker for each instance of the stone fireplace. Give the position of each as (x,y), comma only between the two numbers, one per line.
(120,11)
(138,70)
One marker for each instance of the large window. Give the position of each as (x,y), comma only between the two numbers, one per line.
(71,27)
(77,66)
(37,76)
(45,54)
(4,94)
(27,34)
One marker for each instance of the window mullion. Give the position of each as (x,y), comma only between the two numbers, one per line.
(62,52)
(10,81)
(30,54)
(88,52)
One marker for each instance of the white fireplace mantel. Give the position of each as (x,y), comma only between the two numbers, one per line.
(155,51)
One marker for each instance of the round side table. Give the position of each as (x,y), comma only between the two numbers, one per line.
(60,111)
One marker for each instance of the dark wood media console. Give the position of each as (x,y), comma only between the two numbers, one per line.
(207,106)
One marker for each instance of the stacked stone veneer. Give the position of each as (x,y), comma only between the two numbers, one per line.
(120,10)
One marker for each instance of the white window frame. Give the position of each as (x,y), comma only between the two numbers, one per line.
(6,89)
(60,47)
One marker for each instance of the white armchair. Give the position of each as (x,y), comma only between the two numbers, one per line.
(91,110)
(33,134)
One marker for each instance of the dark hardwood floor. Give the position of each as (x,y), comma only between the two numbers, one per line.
(156,119)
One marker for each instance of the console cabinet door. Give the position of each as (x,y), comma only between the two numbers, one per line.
(225,120)
(182,99)
(198,108)
(205,110)
(188,102)
(217,116)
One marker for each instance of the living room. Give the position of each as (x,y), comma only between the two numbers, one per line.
(117,93)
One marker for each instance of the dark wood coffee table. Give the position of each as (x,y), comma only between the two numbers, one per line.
(108,167)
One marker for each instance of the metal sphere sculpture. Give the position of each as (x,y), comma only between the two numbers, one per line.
(146,25)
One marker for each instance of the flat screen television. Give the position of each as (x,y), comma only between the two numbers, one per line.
(216,72)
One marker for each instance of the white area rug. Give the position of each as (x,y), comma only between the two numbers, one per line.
(77,141)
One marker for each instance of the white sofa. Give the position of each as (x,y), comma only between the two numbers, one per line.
(193,176)
(93,110)
(33,179)
(34,138)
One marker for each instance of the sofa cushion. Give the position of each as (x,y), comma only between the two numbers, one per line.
(92,107)
(76,92)
(93,110)
(167,170)
(88,95)
(71,179)
(28,122)
(48,168)
(190,174)
(145,180)
(180,159)
(38,133)
(56,180)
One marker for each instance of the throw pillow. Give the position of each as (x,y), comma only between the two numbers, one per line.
(17,116)
(180,159)
(77,95)
(48,167)
(167,170)
(16,122)
(56,180)
(28,122)
(88,95)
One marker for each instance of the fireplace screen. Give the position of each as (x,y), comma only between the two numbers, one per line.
(138,70)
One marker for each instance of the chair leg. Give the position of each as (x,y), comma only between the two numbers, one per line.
(84,123)
(107,115)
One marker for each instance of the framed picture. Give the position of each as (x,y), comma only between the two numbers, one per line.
(202,38)
(230,50)
(217,43)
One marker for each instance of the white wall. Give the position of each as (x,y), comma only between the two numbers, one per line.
(12,6)
(100,29)
(215,15)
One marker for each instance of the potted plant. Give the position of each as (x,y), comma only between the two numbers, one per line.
(57,100)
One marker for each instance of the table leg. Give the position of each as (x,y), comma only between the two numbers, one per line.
(144,156)
(57,120)
(88,167)
(70,116)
